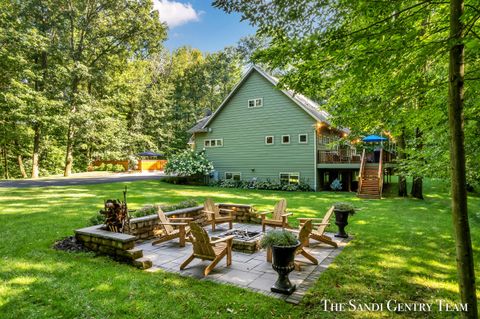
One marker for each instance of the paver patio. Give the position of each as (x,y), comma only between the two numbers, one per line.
(250,271)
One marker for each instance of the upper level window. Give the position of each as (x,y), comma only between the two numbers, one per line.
(303,138)
(255,102)
(213,142)
(269,140)
(285,139)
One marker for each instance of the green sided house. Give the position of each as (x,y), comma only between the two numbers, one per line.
(264,133)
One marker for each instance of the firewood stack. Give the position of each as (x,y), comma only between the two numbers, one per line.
(116,214)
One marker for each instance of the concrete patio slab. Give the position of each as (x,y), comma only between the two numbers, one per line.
(250,271)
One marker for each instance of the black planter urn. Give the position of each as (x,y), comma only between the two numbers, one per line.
(341,220)
(283,264)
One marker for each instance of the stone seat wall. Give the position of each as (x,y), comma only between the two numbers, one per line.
(122,245)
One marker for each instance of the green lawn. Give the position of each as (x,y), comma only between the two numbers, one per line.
(403,249)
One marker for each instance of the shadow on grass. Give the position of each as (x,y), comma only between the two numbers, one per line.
(402,249)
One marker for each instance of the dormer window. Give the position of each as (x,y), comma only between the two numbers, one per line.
(255,103)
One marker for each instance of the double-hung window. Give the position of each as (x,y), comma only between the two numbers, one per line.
(289,178)
(233,176)
(269,140)
(302,138)
(217,142)
(258,102)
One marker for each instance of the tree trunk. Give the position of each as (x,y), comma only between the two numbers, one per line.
(21,166)
(36,151)
(417,183)
(417,187)
(71,129)
(465,268)
(69,153)
(19,158)
(6,175)
(402,180)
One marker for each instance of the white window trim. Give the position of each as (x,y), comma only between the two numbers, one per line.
(210,140)
(289,173)
(273,140)
(306,141)
(255,102)
(233,173)
(289,139)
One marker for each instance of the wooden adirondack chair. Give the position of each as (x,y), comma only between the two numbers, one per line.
(303,235)
(318,233)
(170,232)
(279,216)
(213,214)
(206,249)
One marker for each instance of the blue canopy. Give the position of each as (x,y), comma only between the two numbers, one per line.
(374,138)
(149,153)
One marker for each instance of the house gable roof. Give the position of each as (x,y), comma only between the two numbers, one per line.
(309,106)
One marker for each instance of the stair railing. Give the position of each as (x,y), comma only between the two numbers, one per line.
(380,173)
(362,168)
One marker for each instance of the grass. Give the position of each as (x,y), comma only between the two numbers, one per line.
(403,249)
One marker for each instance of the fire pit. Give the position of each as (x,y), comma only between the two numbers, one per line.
(245,241)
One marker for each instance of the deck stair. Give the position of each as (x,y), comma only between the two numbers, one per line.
(370,179)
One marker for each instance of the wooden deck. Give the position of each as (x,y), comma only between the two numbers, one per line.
(337,157)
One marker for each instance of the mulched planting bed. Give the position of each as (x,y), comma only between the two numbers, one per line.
(70,244)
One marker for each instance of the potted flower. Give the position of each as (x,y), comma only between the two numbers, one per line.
(283,245)
(342,211)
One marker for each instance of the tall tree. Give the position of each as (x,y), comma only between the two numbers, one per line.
(466,271)
(363,57)
(96,32)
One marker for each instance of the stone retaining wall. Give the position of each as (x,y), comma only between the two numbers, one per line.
(118,245)
(122,246)
(148,226)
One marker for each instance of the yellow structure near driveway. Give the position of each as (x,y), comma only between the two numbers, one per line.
(148,165)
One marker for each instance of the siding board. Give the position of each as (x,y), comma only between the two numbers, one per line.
(243,131)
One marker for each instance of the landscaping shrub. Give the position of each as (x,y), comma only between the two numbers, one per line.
(132,162)
(278,238)
(152,209)
(97,219)
(185,180)
(265,185)
(118,168)
(109,167)
(149,209)
(188,163)
(100,167)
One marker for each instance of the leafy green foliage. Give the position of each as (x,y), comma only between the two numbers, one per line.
(92,79)
(188,163)
(146,210)
(344,206)
(278,238)
(265,185)
(152,209)
(380,255)
(375,66)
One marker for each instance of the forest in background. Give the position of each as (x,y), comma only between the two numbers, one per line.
(83,80)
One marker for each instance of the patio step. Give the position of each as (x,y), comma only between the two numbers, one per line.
(135,253)
(142,263)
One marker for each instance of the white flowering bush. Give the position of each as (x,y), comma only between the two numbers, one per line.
(188,163)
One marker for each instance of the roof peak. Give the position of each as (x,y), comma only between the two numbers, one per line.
(311,107)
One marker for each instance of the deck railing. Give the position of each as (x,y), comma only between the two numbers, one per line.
(337,156)
(380,172)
